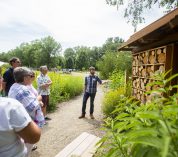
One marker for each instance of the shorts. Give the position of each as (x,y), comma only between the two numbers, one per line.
(45,100)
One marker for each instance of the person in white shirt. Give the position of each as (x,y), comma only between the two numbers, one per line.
(44,83)
(16,129)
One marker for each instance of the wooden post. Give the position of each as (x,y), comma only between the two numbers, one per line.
(125,86)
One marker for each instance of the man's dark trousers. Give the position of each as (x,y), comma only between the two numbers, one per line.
(85,98)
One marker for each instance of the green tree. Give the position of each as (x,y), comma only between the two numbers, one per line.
(50,48)
(112,44)
(70,58)
(69,63)
(69,52)
(134,8)
(36,53)
(114,62)
(82,59)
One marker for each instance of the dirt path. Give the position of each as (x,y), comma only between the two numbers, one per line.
(65,126)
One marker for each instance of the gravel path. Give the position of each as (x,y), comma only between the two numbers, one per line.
(65,126)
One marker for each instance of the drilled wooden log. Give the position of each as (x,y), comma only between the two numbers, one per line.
(164,50)
(143,72)
(155,87)
(148,87)
(148,97)
(142,98)
(153,52)
(151,59)
(133,63)
(161,58)
(145,60)
(158,51)
(138,96)
(150,72)
(143,85)
(161,68)
(145,81)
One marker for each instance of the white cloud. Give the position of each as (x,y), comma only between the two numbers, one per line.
(72,23)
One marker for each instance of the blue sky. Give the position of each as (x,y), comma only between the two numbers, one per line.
(70,22)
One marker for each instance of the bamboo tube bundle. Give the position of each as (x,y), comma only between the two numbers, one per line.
(161,58)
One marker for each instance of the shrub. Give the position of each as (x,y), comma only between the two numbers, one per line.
(118,89)
(144,130)
(111,100)
(117,80)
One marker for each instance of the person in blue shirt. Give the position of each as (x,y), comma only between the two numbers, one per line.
(90,91)
(8,78)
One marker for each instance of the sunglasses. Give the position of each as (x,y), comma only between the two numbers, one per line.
(31,76)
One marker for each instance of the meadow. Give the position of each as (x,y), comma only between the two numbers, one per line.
(63,88)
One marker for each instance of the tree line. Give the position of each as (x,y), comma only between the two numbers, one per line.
(47,51)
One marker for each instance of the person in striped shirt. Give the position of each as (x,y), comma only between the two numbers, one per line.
(90,91)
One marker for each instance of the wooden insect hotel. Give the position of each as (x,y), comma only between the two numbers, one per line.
(154,49)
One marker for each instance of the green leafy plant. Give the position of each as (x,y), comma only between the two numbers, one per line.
(144,130)
(117,89)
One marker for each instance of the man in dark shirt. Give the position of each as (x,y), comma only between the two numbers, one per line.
(8,78)
(90,91)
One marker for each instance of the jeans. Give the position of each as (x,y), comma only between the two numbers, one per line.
(85,98)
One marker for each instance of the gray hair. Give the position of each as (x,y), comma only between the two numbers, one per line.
(44,67)
(20,73)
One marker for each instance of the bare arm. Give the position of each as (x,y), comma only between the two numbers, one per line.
(31,133)
(3,86)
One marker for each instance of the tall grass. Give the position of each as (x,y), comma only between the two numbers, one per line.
(63,88)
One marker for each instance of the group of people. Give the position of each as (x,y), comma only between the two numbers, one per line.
(23,109)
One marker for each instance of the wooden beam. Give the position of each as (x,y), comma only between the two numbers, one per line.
(167,40)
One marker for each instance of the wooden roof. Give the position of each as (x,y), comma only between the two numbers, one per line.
(161,32)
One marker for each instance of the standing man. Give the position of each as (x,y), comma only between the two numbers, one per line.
(90,91)
(8,78)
